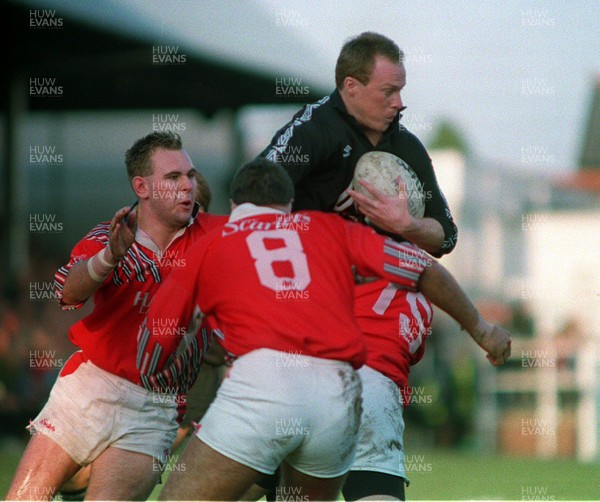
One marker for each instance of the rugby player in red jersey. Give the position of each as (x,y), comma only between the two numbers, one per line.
(97,411)
(320,147)
(281,288)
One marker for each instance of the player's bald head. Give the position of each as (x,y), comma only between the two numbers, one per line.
(263,183)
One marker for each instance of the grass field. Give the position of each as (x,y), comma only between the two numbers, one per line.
(450,475)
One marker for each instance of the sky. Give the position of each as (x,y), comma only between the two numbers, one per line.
(515,77)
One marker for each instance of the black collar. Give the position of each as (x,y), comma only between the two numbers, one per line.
(195,212)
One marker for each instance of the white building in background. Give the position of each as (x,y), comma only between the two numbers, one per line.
(563,251)
(563,266)
(534,240)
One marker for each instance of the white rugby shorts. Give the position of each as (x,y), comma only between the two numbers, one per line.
(91,409)
(277,405)
(380,445)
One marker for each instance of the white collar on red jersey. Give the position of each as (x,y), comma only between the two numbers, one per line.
(145,240)
(248,209)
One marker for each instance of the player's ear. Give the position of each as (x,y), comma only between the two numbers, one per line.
(232,204)
(140,187)
(351,85)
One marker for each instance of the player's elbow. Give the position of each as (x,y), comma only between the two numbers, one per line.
(68,299)
(448,244)
(71,294)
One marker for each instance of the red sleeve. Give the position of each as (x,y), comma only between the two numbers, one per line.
(87,247)
(375,255)
(173,337)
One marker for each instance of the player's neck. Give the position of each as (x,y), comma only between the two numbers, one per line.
(374,137)
(160,233)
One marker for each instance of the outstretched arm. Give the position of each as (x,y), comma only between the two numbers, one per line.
(440,287)
(85,277)
(410,268)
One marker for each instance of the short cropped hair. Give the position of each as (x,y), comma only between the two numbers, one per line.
(137,158)
(357,56)
(263,183)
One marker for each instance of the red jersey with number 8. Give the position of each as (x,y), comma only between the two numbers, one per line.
(275,280)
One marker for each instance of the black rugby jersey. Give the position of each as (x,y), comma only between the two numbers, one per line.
(320,147)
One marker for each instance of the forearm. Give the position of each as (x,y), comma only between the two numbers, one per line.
(425,233)
(440,287)
(87,276)
(437,284)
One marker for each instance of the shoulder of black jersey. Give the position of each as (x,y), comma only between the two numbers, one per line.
(312,113)
(410,138)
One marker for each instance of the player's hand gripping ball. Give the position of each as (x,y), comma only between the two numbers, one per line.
(385,171)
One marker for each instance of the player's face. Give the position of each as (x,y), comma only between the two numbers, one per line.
(172,186)
(376,104)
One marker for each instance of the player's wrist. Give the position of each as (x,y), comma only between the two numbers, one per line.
(482,330)
(406,225)
(107,257)
(100,265)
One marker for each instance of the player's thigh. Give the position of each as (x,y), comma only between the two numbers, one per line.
(119,474)
(202,393)
(255,492)
(205,474)
(43,468)
(182,434)
(295,485)
(79,481)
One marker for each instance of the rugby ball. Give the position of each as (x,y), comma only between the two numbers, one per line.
(384,171)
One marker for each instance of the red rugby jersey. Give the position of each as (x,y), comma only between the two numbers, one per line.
(273,280)
(108,336)
(395,323)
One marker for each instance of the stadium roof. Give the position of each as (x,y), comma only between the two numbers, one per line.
(107,54)
(65,55)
